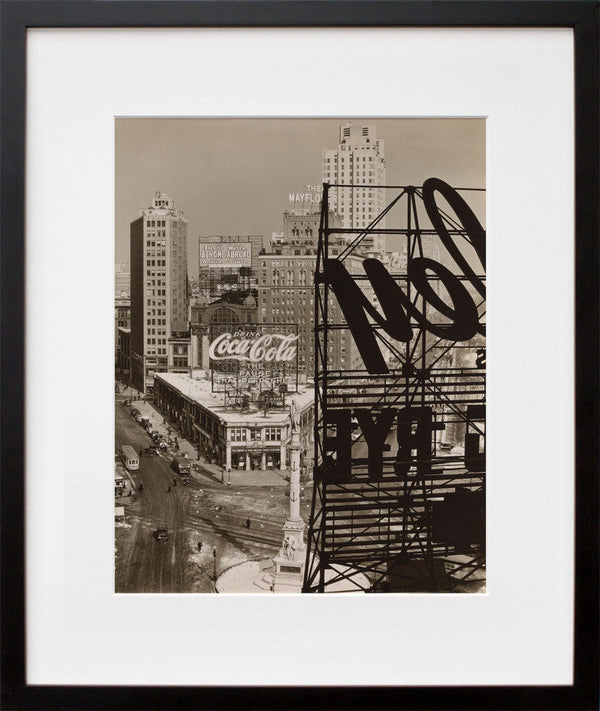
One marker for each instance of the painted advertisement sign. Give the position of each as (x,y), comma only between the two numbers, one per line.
(253,358)
(225,254)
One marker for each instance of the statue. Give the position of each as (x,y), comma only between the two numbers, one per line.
(294,419)
(289,547)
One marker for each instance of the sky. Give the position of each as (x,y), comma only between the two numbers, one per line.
(233,176)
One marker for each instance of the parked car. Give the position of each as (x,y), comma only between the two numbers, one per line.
(127,403)
(151,450)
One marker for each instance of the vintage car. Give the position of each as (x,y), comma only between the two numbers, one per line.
(162,533)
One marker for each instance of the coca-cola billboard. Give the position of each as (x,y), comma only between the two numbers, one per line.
(253,358)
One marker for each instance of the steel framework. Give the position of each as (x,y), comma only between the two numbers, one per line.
(410,517)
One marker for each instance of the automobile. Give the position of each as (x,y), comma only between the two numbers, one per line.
(127,403)
(180,465)
(162,533)
(151,450)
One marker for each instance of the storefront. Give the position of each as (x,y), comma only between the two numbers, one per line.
(256,459)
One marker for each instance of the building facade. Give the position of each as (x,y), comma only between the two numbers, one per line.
(359,161)
(122,281)
(122,315)
(286,295)
(232,308)
(248,440)
(159,293)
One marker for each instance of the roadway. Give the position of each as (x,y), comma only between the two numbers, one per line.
(204,510)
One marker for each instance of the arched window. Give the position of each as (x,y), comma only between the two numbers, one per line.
(224,315)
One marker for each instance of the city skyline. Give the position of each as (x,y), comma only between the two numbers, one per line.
(234,176)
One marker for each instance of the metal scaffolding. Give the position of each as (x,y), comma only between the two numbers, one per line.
(412,516)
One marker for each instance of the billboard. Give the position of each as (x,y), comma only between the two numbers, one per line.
(250,359)
(225,254)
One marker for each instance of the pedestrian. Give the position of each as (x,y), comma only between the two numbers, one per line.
(247,523)
(129,492)
(141,451)
(174,482)
(169,489)
(199,545)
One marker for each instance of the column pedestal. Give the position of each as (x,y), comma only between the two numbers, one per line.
(289,562)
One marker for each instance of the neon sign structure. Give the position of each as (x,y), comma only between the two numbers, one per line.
(400,444)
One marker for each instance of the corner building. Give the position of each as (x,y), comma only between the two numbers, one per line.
(159,294)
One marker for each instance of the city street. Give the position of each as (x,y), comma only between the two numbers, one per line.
(205,510)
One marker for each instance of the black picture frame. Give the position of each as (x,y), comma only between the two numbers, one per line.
(580,15)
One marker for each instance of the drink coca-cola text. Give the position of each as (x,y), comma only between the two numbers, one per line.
(268,347)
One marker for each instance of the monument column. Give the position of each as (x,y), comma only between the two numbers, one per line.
(289,562)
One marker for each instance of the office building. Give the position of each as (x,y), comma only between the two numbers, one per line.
(159,294)
(358,161)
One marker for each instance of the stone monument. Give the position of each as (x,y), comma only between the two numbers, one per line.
(289,562)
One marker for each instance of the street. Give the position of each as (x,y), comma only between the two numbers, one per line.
(205,510)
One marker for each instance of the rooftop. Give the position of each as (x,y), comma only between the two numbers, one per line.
(198,389)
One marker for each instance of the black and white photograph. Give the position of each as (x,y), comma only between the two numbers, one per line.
(300,355)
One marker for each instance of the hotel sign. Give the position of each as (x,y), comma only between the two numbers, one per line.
(310,198)
(225,254)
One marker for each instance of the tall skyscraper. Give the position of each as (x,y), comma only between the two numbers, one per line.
(159,298)
(359,161)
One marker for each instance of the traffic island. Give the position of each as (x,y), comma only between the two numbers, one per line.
(259,576)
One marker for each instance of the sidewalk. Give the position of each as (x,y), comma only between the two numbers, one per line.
(270,477)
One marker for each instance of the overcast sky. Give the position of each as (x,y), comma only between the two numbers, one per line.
(233,176)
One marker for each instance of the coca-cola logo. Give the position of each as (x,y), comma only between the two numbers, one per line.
(270,347)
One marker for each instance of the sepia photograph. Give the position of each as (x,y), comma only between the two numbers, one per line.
(300,355)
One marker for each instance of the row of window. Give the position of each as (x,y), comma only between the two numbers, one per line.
(268,434)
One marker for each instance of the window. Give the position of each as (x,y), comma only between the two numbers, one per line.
(238,434)
(272,434)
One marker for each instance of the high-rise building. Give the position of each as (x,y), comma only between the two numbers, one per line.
(358,161)
(286,290)
(159,294)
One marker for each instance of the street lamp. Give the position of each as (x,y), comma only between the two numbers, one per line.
(215,565)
